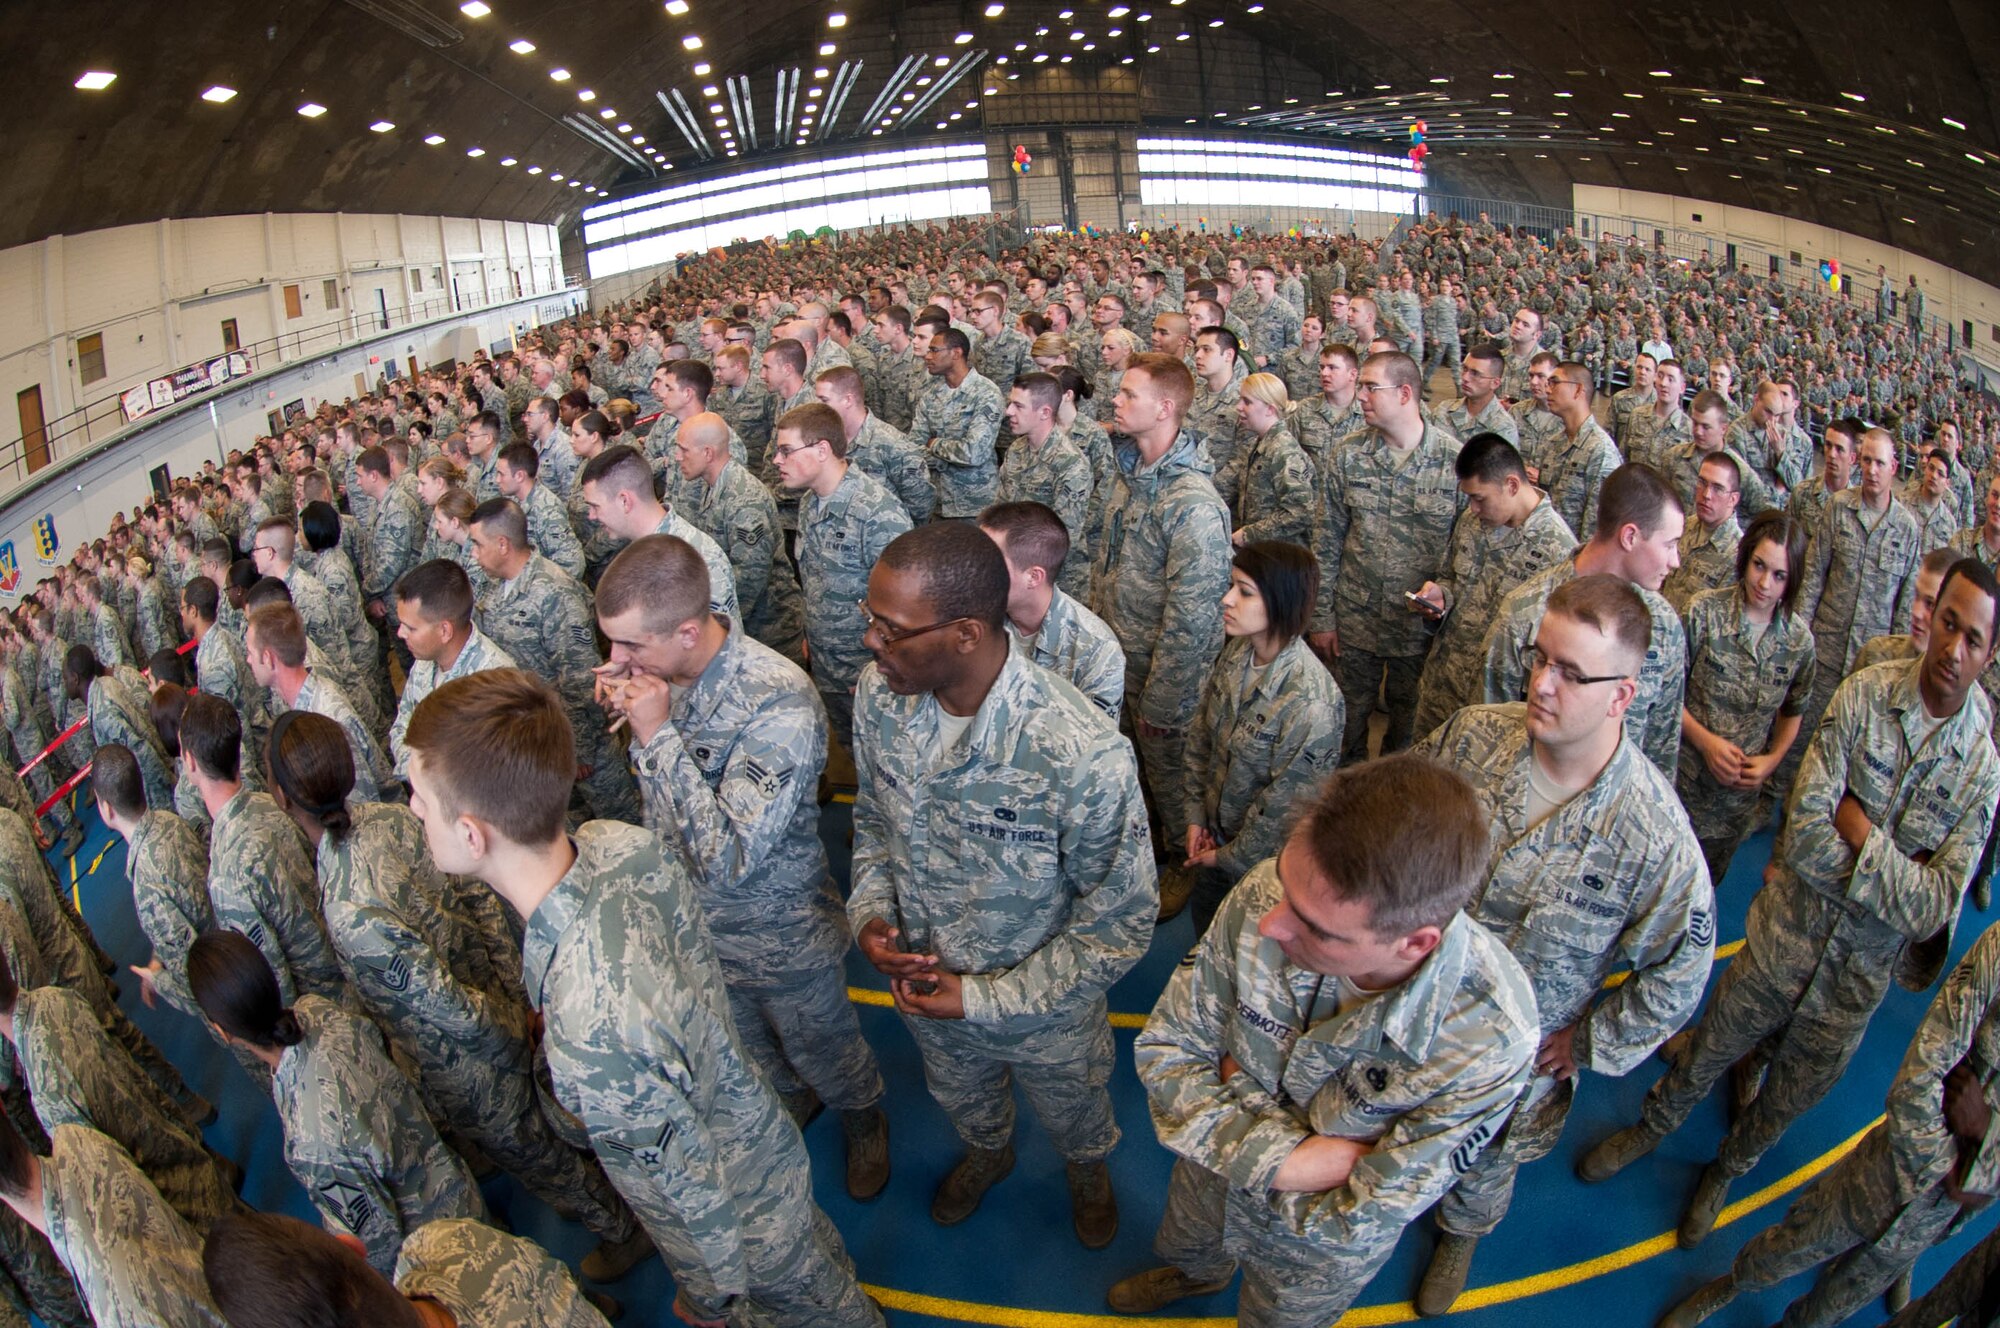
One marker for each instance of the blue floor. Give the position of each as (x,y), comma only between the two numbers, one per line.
(1568,1253)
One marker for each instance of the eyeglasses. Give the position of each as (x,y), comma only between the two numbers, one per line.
(895,636)
(1534,660)
(1375,387)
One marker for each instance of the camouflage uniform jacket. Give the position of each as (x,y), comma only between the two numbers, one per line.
(1962,1025)
(137,1264)
(542,620)
(956,428)
(1482,565)
(1681,464)
(1708,561)
(116,717)
(729,782)
(1573,470)
(881,449)
(550,532)
(478,654)
(1427,1072)
(1274,329)
(1160,575)
(1002,358)
(1859,583)
(903,382)
(1019,855)
(1075,645)
(739,515)
(1321,428)
(395,537)
(358,1139)
(840,537)
(1258,745)
(1056,475)
(489,1279)
(1654,719)
(1614,876)
(166,862)
(1382,529)
(350,617)
(262,884)
(1836,915)
(643,1050)
(1269,487)
(1648,437)
(1738,687)
(374,775)
(1212,417)
(1540,431)
(1456,418)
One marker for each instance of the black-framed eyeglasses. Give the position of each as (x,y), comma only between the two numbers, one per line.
(895,636)
(1534,659)
(779,454)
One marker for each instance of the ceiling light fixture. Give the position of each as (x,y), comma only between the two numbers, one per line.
(701,70)
(1753,81)
(510,161)
(1854,96)
(383,126)
(1661,73)
(692,42)
(826,48)
(677,8)
(534,170)
(836,20)
(559,75)
(557,178)
(521,46)
(218,94)
(995,11)
(962,39)
(585,94)
(607,114)
(312,110)
(475,152)
(475,9)
(433,139)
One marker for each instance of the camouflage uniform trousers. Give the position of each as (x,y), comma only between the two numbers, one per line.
(801,1030)
(839,703)
(1475,1205)
(1848,1223)
(1810,1041)
(1970,1289)
(1363,677)
(1440,354)
(35,1281)
(497,1109)
(1061,1061)
(1287,1282)
(1162,776)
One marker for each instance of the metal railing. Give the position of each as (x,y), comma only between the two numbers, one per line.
(76,431)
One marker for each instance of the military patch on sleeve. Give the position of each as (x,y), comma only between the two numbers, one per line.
(652,1156)
(1469,1149)
(1701,928)
(750,532)
(581,634)
(355,1209)
(395,975)
(768,782)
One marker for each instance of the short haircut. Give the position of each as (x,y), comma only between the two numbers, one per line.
(691,375)
(212,734)
(1168,375)
(232,982)
(1409,871)
(266,590)
(1340,351)
(373,460)
(116,781)
(898,315)
(200,595)
(663,576)
(1036,535)
(1935,563)
(1397,369)
(814,422)
(1635,495)
(265,1270)
(1610,605)
(439,588)
(1788,533)
(1487,352)
(504,518)
(1044,390)
(1980,575)
(522,457)
(1706,401)
(320,524)
(285,541)
(499,747)
(1727,459)
(1287,579)
(844,380)
(789,352)
(280,630)
(1849,425)
(953,341)
(619,469)
(1490,459)
(1224,340)
(959,567)
(170,665)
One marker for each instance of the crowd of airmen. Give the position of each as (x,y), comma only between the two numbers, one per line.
(468,741)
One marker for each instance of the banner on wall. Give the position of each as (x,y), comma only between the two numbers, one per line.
(159,393)
(10,571)
(47,543)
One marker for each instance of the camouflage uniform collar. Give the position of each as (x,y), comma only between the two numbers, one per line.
(1411,1014)
(1182,456)
(1905,703)
(1012,696)
(717,682)
(1284,667)
(556,915)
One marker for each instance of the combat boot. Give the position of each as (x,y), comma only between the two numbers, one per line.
(976,1173)
(867,1152)
(1142,1293)
(1445,1281)
(1093,1208)
(1618,1152)
(1702,1210)
(1704,1302)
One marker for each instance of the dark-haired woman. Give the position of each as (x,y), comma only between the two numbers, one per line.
(118,712)
(169,700)
(435,966)
(1269,727)
(357,1136)
(1750,675)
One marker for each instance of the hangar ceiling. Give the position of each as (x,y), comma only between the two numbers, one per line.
(1834,112)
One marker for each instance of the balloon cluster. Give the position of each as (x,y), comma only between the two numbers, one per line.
(1418,149)
(1022,160)
(1829,272)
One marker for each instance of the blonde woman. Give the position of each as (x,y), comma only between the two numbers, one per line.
(1116,348)
(1052,351)
(1268,484)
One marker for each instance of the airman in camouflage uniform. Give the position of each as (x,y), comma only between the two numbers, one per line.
(1906,1185)
(76,1075)
(1836,919)
(1681,464)
(374,774)
(1740,684)
(166,864)
(421,969)
(1263,739)
(478,654)
(1055,474)
(262,884)
(882,450)
(1274,328)
(1321,426)
(740,515)
(1212,418)
(1572,471)
(1649,908)
(1075,645)
(137,1264)
(541,618)
(1017,856)
(1708,560)
(484,1276)
(1425,1074)
(1383,529)
(644,1052)
(1158,585)
(955,427)
(117,716)
(222,669)
(30,735)
(840,537)
(358,1140)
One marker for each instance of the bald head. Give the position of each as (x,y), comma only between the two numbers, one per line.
(706,430)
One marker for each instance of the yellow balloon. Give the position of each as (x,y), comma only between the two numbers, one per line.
(1834,282)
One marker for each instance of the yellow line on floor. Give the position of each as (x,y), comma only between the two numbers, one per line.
(1374,1316)
(870,996)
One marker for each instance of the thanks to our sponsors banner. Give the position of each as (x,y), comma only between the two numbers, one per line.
(159,393)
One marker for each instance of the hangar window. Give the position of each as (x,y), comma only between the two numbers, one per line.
(90,358)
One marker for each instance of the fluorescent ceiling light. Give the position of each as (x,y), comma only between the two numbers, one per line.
(433,139)
(218,94)
(521,46)
(475,9)
(383,126)
(312,110)
(559,75)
